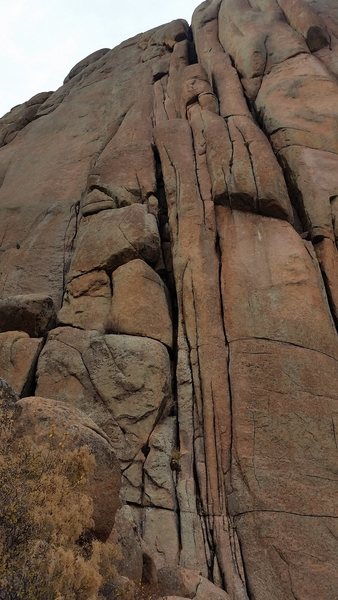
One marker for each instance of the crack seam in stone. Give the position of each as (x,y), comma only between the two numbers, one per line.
(243,339)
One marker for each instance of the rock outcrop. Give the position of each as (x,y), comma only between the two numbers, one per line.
(169,226)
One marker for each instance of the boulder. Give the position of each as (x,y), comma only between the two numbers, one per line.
(187,584)
(140,303)
(87,302)
(126,538)
(35,417)
(32,313)
(122,382)
(82,64)
(125,234)
(18,359)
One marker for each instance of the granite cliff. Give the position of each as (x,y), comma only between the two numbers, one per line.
(168,266)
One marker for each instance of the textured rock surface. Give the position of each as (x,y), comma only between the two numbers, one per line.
(87,302)
(175,202)
(188,584)
(32,313)
(122,382)
(139,304)
(18,359)
(8,397)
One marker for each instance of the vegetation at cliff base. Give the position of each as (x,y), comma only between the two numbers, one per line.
(47,551)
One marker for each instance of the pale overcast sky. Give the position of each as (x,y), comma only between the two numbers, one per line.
(41,40)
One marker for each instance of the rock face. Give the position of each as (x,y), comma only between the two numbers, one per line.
(169,221)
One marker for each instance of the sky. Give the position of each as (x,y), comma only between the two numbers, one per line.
(41,40)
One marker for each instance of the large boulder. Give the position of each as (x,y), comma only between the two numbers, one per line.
(36,417)
(125,233)
(140,303)
(183,583)
(18,357)
(32,313)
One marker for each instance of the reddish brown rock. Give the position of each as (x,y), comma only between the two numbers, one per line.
(203,397)
(128,181)
(188,584)
(244,172)
(49,162)
(167,89)
(129,560)
(140,303)
(85,62)
(291,545)
(19,117)
(269,40)
(276,402)
(121,382)
(160,532)
(178,582)
(125,181)
(312,175)
(297,391)
(125,234)
(161,466)
(194,169)
(327,255)
(281,104)
(306,21)
(32,313)
(96,200)
(87,302)
(328,13)
(239,175)
(274,271)
(18,358)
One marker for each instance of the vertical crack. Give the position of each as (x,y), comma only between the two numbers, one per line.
(168,277)
(70,237)
(295,195)
(326,285)
(29,388)
(239,565)
(247,146)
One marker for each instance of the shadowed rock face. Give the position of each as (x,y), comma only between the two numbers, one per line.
(176,203)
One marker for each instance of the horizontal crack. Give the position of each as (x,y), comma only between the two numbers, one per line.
(284,512)
(243,339)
